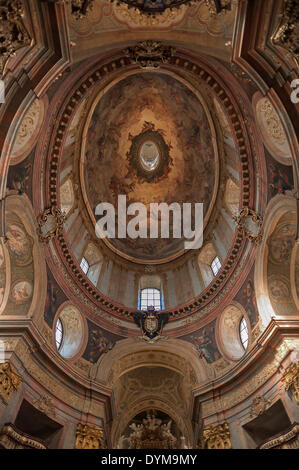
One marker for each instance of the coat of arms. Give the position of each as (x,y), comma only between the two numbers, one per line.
(151,323)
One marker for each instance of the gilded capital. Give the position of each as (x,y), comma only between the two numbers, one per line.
(88,437)
(9,381)
(217,437)
(290,380)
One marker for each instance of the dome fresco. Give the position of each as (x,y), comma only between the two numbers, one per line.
(184,164)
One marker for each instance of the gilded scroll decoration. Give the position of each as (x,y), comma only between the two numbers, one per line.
(149,54)
(13,34)
(217,437)
(9,381)
(250,225)
(50,223)
(290,380)
(89,437)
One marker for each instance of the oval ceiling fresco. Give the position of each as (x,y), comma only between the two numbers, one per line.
(149,138)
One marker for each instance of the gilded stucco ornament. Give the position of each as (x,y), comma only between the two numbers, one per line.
(13,438)
(13,34)
(218,6)
(250,225)
(149,54)
(89,437)
(290,380)
(287,440)
(81,8)
(50,224)
(217,437)
(9,381)
(287,32)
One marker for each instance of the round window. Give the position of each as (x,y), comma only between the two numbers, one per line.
(149,155)
(69,332)
(233,332)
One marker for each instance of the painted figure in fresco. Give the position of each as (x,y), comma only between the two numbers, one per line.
(279,289)
(18,177)
(22,291)
(98,344)
(205,346)
(19,244)
(51,299)
(16,240)
(249,302)
(281,244)
(280,181)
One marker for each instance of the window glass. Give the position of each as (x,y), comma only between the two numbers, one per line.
(150,297)
(244,333)
(58,334)
(216,265)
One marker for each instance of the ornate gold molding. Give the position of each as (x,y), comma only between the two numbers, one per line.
(217,437)
(250,225)
(88,437)
(287,440)
(9,381)
(287,32)
(13,34)
(290,380)
(55,218)
(149,54)
(12,438)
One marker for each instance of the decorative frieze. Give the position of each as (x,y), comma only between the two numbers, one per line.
(217,437)
(9,381)
(88,437)
(290,380)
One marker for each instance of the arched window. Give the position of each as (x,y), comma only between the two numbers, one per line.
(205,259)
(91,263)
(216,265)
(244,333)
(150,297)
(58,334)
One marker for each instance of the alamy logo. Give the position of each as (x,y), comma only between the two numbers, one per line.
(159,218)
(2,92)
